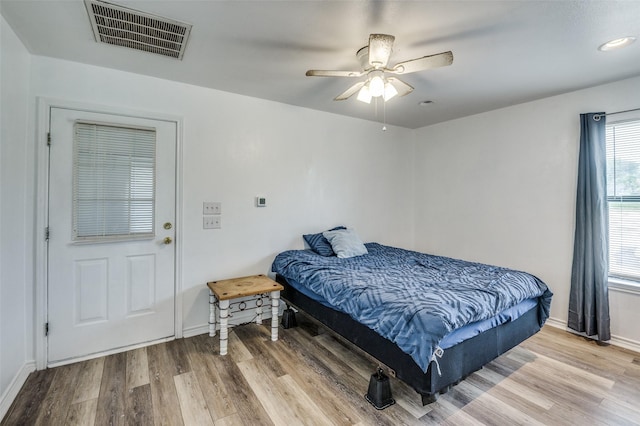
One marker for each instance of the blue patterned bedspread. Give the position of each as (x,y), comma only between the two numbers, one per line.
(413,299)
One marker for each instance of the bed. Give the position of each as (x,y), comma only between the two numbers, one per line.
(431,320)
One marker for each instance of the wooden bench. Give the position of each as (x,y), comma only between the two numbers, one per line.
(221,293)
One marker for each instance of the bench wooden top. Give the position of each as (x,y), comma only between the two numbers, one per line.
(244,286)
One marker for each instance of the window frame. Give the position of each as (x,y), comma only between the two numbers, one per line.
(621,282)
(120,237)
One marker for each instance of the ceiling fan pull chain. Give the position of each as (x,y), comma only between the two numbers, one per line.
(384,116)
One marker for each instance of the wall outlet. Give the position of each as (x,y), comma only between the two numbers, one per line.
(211,207)
(212,222)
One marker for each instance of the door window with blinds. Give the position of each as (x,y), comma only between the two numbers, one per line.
(114,178)
(623,193)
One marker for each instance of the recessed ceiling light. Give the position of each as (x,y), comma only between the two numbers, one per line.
(618,43)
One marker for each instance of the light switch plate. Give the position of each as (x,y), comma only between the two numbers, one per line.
(211,207)
(212,222)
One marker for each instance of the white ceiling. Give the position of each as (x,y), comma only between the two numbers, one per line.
(505,52)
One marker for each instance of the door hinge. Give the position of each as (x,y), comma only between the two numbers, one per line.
(46,329)
(49,139)
(46,233)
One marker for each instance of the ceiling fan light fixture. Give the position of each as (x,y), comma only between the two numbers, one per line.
(364,95)
(376,85)
(389,91)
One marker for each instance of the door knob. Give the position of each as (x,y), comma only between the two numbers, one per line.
(167,225)
(168,240)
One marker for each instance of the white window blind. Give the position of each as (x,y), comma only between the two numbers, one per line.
(623,193)
(113,182)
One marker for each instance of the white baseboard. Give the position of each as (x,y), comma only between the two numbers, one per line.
(14,387)
(625,343)
(620,341)
(554,322)
(195,331)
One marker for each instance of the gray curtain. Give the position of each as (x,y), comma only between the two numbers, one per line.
(589,298)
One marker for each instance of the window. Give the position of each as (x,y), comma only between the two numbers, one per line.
(113,182)
(623,193)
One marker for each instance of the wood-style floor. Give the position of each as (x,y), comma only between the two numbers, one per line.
(310,377)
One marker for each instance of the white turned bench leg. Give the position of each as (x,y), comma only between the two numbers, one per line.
(224,325)
(275,304)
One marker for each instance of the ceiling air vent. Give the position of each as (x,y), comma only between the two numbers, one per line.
(126,27)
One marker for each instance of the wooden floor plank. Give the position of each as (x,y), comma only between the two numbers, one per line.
(192,404)
(302,404)
(447,408)
(315,385)
(139,405)
(25,408)
(89,380)
(248,407)
(351,385)
(281,396)
(628,411)
(232,420)
(552,383)
(218,399)
(523,390)
(254,338)
(166,408)
(137,368)
(177,357)
(237,349)
(55,406)
(585,354)
(111,401)
(269,396)
(82,413)
(506,395)
(487,409)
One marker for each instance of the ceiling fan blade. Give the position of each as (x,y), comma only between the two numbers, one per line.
(350,91)
(329,73)
(425,63)
(402,87)
(380,47)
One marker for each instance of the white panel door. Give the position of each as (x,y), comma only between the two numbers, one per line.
(108,294)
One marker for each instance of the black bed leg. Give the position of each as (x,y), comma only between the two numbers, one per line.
(429,399)
(289,318)
(379,393)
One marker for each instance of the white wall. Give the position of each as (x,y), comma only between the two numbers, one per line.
(499,188)
(317,170)
(16,218)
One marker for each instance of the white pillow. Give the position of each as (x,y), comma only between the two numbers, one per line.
(345,243)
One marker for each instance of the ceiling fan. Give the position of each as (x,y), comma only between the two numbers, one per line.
(374,59)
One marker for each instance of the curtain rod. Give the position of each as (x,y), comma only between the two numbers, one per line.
(598,116)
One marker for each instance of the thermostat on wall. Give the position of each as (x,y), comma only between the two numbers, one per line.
(261,201)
